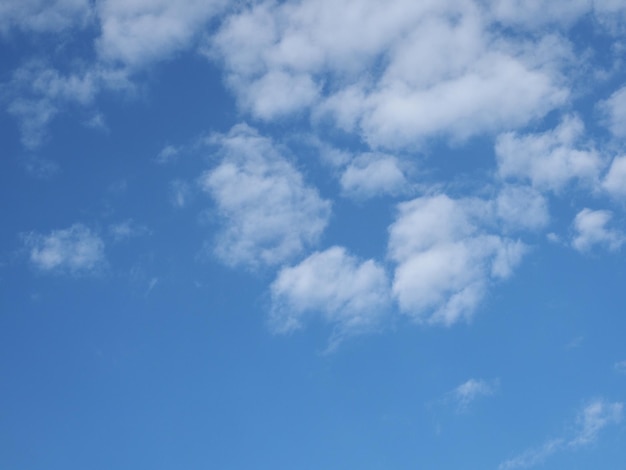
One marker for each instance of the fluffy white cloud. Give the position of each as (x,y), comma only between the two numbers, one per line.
(75,250)
(137,32)
(439,67)
(591,420)
(371,174)
(445,259)
(349,293)
(615,180)
(590,230)
(614,109)
(471,390)
(269,212)
(43,16)
(549,160)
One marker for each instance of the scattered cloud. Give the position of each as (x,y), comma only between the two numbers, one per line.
(75,250)
(351,294)
(468,392)
(620,367)
(269,213)
(549,160)
(127,229)
(168,154)
(590,230)
(522,208)
(615,180)
(371,175)
(180,193)
(614,109)
(591,420)
(445,259)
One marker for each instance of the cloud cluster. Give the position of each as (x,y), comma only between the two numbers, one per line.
(269,213)
(349,293)
(590,230)
(591,420)
(439,67)
(75,250)
(445,259)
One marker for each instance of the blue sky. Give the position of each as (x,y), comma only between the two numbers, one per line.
(312,234)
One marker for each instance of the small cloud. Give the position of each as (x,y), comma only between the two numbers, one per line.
(168,154)
(41,168)
(75,250)
(127,229)
(371,175)
(97,122)
(468,392)
(180,193)
(351,294)
(590,230)
(620,367)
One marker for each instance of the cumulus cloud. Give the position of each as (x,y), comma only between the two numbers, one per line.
(614,109)
(439,67)
(445,259)
(75,250)
(539,13)
(351,294)
(615,180)
(269,213)
(591,420)
(590,230)
(471,390)
(549,160)
(137,32)
(371,174)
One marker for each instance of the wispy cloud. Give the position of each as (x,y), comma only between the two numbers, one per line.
(471,390)
(591,420)
(127,229)
(75,250)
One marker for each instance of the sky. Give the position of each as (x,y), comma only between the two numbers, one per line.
(312,234)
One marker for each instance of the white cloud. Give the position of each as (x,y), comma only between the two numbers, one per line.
(168,154)
(43,16)
(127,229)
(38,92)
(614,109)
(270,214)
(549,160)
(620,367)
(522,207)
(371,174)
(349,293)
(180,193)
(471,390)
(439,68)
(591,420)
(137,32)
(445,259)
(590,230)
(75,250)
(615,180)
